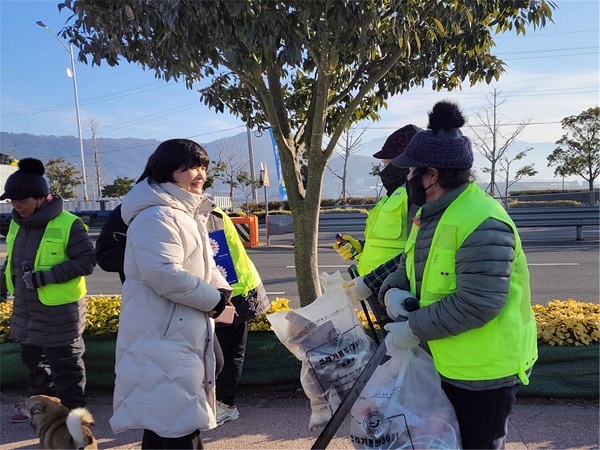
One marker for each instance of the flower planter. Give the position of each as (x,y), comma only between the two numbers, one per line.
(267,362)
(564,371)
(559,372)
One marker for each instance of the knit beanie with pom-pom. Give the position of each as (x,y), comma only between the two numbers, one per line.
(26,182)
(442,145)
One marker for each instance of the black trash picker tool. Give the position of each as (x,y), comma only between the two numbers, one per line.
(410,304)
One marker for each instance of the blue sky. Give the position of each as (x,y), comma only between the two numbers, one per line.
(551,73)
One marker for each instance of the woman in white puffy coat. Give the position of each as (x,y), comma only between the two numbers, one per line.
(165,362)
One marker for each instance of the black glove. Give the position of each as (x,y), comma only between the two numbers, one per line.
(3,296)
(225,296)
(34,280)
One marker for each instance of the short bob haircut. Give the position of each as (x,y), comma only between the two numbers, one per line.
(171,156)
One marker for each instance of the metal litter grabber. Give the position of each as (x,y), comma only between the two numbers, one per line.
(410,304)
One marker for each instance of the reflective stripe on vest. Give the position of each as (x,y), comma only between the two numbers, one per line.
(385,231)
(507,345)
(51,251)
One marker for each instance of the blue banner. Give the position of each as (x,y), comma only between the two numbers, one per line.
(282,190)
(222,256)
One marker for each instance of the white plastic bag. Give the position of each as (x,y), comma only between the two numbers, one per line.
(331,343)
(403,406)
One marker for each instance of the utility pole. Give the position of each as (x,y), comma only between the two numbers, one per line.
(93,126)
(251,157)
(71,74)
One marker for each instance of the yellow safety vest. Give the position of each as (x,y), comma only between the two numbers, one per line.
(385,231)
(248,276)
(51,251)
(507,345)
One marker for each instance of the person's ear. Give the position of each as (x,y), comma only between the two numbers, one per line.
(433,174)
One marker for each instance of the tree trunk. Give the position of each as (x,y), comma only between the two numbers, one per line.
(306,235)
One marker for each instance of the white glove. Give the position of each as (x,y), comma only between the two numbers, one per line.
(395,279)
(400,335)
(394,303)
(360,289)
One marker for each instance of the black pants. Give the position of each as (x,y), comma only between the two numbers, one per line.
(57,371)
(151,440)
(482,415)
(232,339)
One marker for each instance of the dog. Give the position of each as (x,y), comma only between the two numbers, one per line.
(56,425)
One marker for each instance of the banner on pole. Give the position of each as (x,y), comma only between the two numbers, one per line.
(282,190)
(264,175)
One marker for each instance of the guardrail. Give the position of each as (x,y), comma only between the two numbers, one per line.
(578,216)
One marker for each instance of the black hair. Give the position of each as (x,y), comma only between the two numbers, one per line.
(171,156)
(449,179)
(452,178)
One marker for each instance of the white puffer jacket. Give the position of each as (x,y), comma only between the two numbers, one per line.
(165,362)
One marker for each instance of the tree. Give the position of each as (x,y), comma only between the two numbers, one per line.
(491,141)
(92,128)
(63,177)
(308,69)
(579,151)
(504,173)
(229,169)
(375,171)
(350,143)
(119,187)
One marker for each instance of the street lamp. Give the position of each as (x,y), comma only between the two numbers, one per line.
(69,50)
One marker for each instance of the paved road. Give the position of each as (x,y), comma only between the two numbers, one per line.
(560,266)
(282,423)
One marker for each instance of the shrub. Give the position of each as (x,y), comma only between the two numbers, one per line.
(542,203)
(560,323)
(563,323)
(261,323)
(237,214)
(344,211)
(103,316)
(567,323)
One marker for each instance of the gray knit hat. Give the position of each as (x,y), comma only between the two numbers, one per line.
(26,182)
(443,145)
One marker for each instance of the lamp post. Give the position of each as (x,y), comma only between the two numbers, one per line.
(69,50)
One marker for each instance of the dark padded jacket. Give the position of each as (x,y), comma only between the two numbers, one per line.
(32,322)
(483,268)
(110,245)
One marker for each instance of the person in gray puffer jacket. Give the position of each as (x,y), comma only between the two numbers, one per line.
(465,264)
(48,254)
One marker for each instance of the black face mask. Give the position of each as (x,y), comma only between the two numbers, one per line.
(392,177)
(417,194)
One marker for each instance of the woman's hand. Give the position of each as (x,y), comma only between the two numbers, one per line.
(218,309)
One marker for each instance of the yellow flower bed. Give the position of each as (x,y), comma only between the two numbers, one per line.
(103,316)
(568,322)
(261,323)
(561,322)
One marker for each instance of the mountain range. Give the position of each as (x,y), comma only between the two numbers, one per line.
(127,157)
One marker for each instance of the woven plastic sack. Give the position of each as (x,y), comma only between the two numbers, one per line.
(327,337)
(403,406)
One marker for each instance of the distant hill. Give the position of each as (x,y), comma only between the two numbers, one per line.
(127,157)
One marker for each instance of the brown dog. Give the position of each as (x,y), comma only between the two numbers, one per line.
(56,426)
